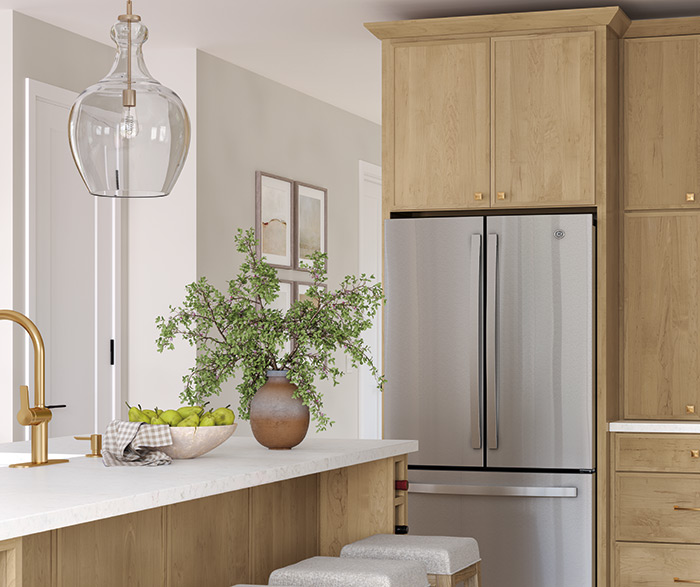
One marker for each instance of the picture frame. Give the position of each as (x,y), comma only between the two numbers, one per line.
(300,288)
(310,223)
(274,219)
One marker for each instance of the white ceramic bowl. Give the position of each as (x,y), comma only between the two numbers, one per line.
(194,441)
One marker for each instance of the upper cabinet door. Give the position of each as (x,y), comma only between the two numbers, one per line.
(661,164)
(661,315)
(544,120)
(442,125)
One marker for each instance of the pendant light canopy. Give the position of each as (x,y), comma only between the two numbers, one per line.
(129,134)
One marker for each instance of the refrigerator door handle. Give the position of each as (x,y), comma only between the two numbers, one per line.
(491,300)
(493,490)
(474,355)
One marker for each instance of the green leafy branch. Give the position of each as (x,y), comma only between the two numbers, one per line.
(238,331)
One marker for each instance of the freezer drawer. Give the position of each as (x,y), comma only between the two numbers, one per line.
(533,529)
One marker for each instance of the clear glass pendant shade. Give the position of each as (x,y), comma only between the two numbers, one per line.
(129,151)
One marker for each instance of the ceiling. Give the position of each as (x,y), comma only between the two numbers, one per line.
(318,47)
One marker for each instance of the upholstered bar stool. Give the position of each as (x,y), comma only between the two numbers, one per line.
(449,560)
(327,571)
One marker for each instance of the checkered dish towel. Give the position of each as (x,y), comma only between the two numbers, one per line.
(128,444)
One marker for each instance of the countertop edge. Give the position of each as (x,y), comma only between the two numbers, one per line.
(654,427)
(91,511)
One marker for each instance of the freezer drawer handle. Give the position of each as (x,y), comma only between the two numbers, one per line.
(500,490)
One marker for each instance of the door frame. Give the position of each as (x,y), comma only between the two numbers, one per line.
(35,92)
(370,262)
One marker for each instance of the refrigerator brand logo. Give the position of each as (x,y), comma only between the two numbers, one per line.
(559,234)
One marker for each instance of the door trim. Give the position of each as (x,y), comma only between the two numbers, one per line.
(36,92)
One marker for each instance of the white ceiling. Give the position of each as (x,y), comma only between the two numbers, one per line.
(318,47)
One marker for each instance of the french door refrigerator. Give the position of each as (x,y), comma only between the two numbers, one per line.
(489,364)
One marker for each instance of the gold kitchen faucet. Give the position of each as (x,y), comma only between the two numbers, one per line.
(37,417)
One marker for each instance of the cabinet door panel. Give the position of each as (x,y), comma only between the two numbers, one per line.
(442,126)
(660,140)
(661,317)
(655,565)
(657,508)
(544,119)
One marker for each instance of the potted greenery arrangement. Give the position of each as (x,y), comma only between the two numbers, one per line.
(237,331)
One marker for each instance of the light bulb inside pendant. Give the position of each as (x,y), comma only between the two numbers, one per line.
(129,124)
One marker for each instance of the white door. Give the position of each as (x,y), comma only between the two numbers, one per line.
(370,263)
(72,271)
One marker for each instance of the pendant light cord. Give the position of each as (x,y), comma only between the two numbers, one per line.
(129,10)
(128,95)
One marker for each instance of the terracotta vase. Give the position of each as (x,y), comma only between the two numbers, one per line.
(278,420)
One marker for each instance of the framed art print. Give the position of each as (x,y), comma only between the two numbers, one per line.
(274,219)
(311,222)
(300,289)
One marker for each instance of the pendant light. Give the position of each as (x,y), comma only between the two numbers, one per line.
(129,134)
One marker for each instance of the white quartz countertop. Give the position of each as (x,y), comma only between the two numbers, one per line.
(84,490)
(655,426)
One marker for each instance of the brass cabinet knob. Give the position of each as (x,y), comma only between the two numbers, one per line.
(689,409)
(694,454)
(478,196)
(500,195)
(690,197)
(95,444)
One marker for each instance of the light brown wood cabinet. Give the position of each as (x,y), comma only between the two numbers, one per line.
(661,137)
(442,124)
(657,522)
(661,331)
(544,120)
(492,122)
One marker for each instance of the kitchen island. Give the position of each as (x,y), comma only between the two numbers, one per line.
(231,516)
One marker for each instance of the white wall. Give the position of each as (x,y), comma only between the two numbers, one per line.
(7,297)
(248,123)
(52,55)
(162,254)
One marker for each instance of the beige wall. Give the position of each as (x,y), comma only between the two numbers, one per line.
(51,55)
(247,123)
(162,255)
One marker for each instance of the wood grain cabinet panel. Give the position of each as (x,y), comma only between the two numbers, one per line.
(544,119)
(661,332)
(656,565)
(209,541)
(124,550)
(442,128)
(657,508)
(284,525)
(661,137)
(665,453)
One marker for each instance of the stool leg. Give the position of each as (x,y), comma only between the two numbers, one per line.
(475,581)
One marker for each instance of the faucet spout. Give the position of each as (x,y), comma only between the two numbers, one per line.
(39,416)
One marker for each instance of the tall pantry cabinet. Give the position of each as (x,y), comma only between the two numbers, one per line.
(661,186)
(656,487)
(517,112)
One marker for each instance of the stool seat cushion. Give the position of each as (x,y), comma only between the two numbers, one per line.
(327,571)
(441,555)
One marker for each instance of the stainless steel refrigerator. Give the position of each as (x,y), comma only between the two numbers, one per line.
(489,364)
